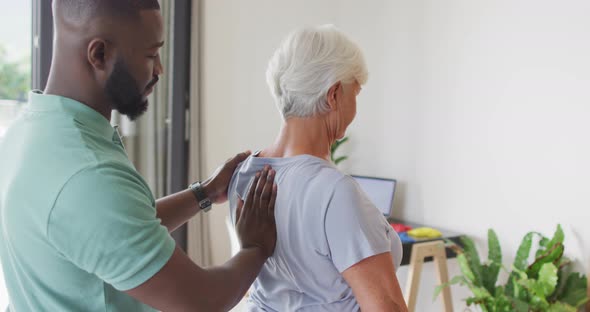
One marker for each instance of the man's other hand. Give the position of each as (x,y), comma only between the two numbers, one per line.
(255,218)
(217,184)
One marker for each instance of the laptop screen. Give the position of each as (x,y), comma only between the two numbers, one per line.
(380,192)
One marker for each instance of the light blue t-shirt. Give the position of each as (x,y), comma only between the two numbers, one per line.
(78,224)
(325,225)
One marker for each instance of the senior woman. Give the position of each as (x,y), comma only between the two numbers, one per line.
(335,251)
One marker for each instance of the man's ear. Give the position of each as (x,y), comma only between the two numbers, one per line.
(331,97)
(98,53)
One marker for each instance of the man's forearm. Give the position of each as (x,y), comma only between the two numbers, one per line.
(176,209)
(181,285)
(230,281)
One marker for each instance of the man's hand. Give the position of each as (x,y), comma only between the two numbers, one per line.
(255,218)
(217,184)
(181,285)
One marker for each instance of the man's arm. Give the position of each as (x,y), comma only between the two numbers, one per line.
(176,209)
(181,285)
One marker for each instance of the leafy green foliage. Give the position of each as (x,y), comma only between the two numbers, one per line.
(334,147)
(547,279)
(491,270)
(522,254)
(455,280)
(574,291)
(544,285)
(551,255)
(472,260)
(561,307)
(466,268)
(15,78)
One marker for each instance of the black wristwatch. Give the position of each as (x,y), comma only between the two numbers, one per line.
(202,199)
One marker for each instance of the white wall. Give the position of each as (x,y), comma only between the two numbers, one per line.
(480,109)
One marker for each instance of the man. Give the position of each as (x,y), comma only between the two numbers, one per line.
(80,228)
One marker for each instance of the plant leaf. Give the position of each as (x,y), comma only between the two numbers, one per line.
(562,274)
(519,305)
(471,300)
(455,280)
(337,144)
(538,303)
(542,246)
(546,244)
(551,255)
(480,292)
(574,291)
(465,269)
(340,159)
(514,288)
(472,257)
(333,149)
(491,271)
(548,278)
(495,252)
(561,307)
(558,237)
(522,254)
(489,276)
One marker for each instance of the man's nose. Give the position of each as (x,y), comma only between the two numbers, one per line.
(158,69)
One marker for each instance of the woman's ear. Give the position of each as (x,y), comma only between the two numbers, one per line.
(332,96)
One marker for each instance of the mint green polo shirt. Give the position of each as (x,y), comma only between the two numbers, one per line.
(78,223)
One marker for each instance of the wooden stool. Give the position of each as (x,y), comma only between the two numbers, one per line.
(435,249)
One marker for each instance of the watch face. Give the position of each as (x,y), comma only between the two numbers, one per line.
(205,203)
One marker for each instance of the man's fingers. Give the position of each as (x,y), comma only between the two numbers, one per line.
(239,209)
(250,197)
(259,188)
(271,203)
(239,158)
(267,190)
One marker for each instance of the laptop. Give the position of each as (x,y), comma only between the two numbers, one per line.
(380,191)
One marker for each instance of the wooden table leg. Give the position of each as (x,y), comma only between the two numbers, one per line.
(435,249)
(414,271)
(440,261)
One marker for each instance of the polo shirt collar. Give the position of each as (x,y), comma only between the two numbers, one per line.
(79,111)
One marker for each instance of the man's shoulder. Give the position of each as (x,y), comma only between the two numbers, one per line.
(101,192)
(109,177)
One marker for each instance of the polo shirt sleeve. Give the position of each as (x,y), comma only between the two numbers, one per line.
(355,229)
(104,221)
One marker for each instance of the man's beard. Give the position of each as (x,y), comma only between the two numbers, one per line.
(124,92)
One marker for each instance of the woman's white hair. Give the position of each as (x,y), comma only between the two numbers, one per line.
(308,62)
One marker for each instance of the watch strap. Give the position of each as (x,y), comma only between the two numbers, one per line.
(202,199)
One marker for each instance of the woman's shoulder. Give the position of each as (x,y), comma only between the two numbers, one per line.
(322,172)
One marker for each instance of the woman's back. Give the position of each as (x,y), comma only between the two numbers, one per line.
(325,224)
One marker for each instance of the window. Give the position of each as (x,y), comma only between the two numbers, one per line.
(15,59)
(15,72)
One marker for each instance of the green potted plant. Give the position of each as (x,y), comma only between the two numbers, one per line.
(546,284)
(334,147)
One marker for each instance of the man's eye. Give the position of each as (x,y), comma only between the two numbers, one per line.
(153,56)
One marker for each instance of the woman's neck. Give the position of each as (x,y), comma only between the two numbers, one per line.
(300,136)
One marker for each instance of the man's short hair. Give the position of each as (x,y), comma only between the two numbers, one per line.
(84,10)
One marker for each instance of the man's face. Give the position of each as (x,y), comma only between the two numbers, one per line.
(137,67)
